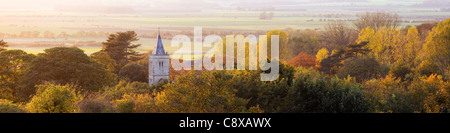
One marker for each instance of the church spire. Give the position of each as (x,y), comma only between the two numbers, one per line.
(159,48)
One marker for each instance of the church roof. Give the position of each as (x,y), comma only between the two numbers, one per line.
(159,48)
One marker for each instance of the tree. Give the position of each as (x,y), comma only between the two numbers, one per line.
(355,50)
(437,46)
(392,95)
(284,49)
(126,87)
(383,43)
(331,64)
(51,98)
(306,41)
(314,93)
(94,103)
(134,72)
(104,59)
(137,103)
(3,45)
(322,54)
(263,15)
(424,29)
(266,16)
(12,66)
(267,95)
(400,70)
(362,68)
(377,20)
(206,92)
(338,33)
(427,68)
(64,65)
(120,48)
(304,60)
(411,48)
(422,94)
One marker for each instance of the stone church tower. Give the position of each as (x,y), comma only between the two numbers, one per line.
(158,63)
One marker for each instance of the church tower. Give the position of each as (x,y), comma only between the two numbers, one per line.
(158,63)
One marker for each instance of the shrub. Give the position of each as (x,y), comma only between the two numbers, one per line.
(124,105)
(51,98)
(94,104)
(425,94)
(427,68)
(400,70)
(125,87)
(325,95)
(138,103)
(7,106)
(134,72)
(391,95)
(362,68)
(438,97)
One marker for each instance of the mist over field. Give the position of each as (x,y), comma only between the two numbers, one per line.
(34,25)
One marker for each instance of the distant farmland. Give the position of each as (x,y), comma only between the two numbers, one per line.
(38,30)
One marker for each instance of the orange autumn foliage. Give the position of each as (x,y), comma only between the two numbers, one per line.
(303,59)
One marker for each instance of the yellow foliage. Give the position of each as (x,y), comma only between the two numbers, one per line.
(383,43)
(322,54)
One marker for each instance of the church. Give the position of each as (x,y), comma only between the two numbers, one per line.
(158,63)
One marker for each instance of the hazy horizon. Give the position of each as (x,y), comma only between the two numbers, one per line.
(166,5)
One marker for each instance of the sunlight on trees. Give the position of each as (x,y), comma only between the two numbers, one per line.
(51,98)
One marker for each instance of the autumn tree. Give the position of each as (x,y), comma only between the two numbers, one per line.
(426,94)
(411,48)
(437,48)
(322,54)
(285,50)
(203,93)
(383,43)
(51,98)
(303,59)
(330,65)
